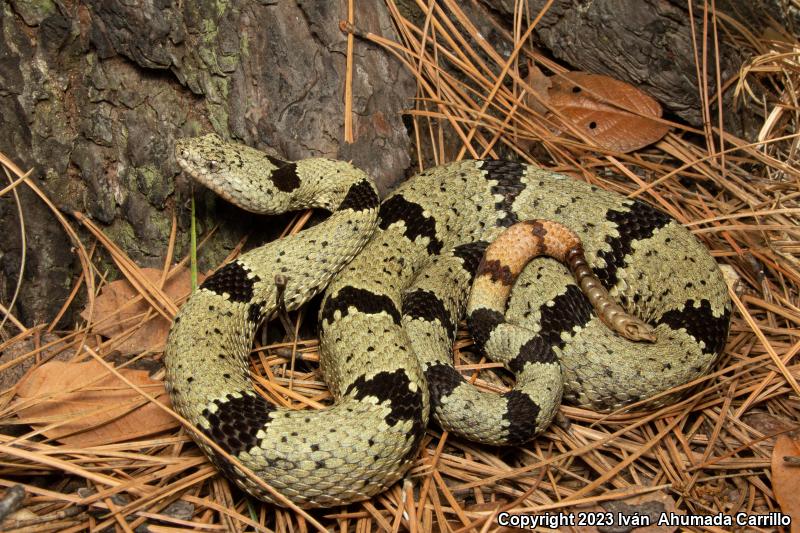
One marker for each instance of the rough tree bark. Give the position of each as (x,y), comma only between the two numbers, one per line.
(93,94)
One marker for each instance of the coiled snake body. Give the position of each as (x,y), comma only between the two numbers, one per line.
(397,274)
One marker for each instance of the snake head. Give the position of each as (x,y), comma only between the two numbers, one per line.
(238,173)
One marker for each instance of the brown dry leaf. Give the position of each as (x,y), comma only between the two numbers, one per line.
(598,109)
(786,476)
(766,423)
(541,86)
(645,506)
(99,407)
(148,336)
(12,374)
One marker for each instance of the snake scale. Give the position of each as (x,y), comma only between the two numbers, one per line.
(397,274)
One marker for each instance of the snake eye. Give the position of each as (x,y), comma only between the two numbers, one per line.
(212,166)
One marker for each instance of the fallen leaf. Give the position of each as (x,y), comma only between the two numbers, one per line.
(96,407)
(601,108)
(541,87)
(11,375)
(635,508)
(110,305)
(766,423)
(786,476)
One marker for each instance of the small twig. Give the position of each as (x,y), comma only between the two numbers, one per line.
(283,315)
(23,247)
(348,27)
(562,421)
(193,244)
(69,512)
(11,501)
